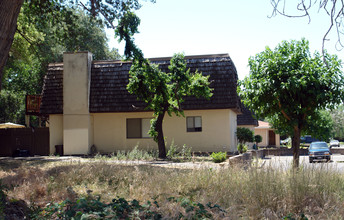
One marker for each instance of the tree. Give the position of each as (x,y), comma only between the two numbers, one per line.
(319,126)
(35,45)
(50,11)
(165,92)
(10,109)
(258,138)
(291,86)
(334,10)
(244,135)
(337,116)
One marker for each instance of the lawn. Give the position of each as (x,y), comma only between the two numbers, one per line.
(233,192)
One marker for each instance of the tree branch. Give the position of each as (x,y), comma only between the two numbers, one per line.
(336,18)
(94,12)
(283,112)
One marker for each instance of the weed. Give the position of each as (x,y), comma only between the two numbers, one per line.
(172,151)
(219,156)
(242,148)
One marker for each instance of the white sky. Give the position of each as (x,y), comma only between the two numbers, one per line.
(239,28)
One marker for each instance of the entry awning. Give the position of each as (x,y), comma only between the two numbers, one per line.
(10,125)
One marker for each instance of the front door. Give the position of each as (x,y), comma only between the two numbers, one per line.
(272,139)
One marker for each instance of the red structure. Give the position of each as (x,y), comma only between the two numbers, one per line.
(33,103)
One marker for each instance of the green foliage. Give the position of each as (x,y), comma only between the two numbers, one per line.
(134,154)
(11,107)
(195,210)
(38,42)
(176,153)
(258,138)
(165,92)
(242,148)
(3,199)
(289,87)
(337,116)
(219,157)
(244,135)
(91,207)
(172,151)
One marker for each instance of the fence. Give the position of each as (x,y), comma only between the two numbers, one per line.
(33,141)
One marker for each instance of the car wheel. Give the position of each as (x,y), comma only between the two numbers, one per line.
(310,161)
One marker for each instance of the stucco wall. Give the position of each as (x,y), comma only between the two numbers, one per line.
(76,132)
(233,127)
(56,132)
(77,122)
(218,131)
(264,134)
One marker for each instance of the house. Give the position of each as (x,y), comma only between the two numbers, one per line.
(87,104)
(247,120)
(269,137)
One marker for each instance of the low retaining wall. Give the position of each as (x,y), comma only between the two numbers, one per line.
(244,158)
(282,152)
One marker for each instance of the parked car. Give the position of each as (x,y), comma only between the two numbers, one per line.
(307,139)
(285,141)
(334,143)
(319,151)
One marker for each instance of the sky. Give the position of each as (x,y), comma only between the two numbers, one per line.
(238,28)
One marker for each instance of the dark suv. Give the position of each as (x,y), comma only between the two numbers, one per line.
(319,151)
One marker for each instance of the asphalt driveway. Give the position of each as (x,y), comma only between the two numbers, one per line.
(285,162)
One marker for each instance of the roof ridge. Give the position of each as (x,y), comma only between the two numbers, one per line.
(151,59)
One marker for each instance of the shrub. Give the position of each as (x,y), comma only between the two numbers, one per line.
(258,138)
(218,157)
(186,152)
(244,135)
(242,148)
(172,151)
(92,208)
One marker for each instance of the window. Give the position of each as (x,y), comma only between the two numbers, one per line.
(194,124)
(138,127)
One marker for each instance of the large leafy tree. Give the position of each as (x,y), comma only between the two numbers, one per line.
(118,14)
(164,92)
(35,45)
(338,122)
(291,85)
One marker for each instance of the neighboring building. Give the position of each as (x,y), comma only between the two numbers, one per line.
(270,138)
(247,120)
(88,104)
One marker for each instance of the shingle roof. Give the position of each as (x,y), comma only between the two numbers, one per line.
(52,100)
(246,118)
(109,79)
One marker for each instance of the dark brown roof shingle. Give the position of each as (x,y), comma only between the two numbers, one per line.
(109,80)
(246,118)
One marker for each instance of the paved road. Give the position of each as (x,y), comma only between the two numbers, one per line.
(285,162)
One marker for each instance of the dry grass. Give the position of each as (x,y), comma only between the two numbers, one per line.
(250,194)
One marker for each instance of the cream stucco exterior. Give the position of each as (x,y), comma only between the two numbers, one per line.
(110,132)
(56,131)
(78,130)
(264,132)
(77,122)
(216,135)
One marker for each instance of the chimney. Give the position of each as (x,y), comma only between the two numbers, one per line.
(77,122)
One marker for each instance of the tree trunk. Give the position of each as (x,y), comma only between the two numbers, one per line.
(9,11)
(161,140)
(296,147)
